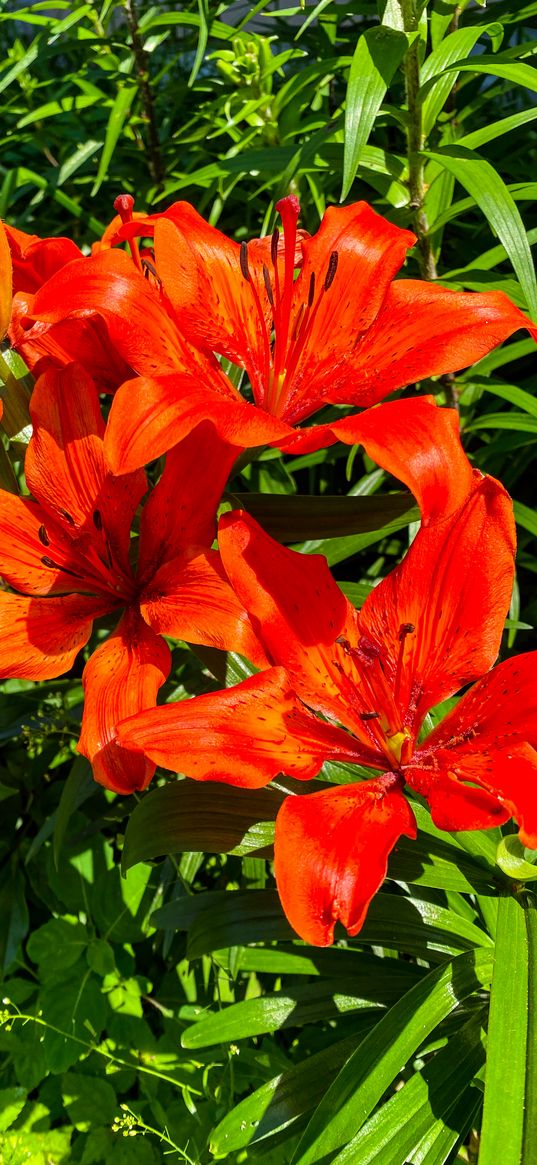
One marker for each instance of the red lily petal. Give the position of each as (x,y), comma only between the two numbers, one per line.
(420,444)
(202,276)
(65,466)
(35,260)
(300,614)
(499,711)
(122,677)
(28,535)
(41,638)
(506,780)
(191,599)
(488,739)
(83,339)
(118,231)
(435,622)
(422,330)
(181,509)
(135,314)
(368,251)
(343,838)
(243,736)
(149,416)
(514,781)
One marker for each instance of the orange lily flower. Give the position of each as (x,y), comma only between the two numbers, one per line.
(6,282)
(67,558)
(340,332)
(355,687)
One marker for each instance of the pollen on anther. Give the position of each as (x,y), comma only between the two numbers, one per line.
(244,261)
(332,268)
(97,520)
(268,288)
(43,536)
(275,239)
(311,291)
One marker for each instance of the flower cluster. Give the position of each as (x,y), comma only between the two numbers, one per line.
(153,316)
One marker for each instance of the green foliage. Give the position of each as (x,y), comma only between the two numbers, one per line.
(173,1011)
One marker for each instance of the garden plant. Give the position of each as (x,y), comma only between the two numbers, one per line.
(268,698)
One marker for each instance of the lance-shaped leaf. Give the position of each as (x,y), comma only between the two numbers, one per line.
(376,57)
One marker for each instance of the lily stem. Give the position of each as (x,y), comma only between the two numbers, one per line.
(415,142)
(146,93)
(416,165)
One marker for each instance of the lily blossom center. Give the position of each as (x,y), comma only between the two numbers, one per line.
(90,556)
(292,316)
(380,723)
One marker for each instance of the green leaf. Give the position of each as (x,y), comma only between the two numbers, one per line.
(210,818)
(53,108)
(13,913)
(519,74)
(292,518)
(57,944)
(378,54)
(121,906)
(12,1101)
(427,861)
(204,16)
(519,422)
(511,859)
(490,193)
(78,787)
(89,1101)
(279,1103)
(216,920)
(436,83)
(373,1067)
(120,111)
(525,517)
(506,1077)
(509,392)
(398,1126)
(379,982)
(222,919)
(336,550)
(75,1012)
(492,132)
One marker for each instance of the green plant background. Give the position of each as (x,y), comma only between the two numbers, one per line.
(171,1014)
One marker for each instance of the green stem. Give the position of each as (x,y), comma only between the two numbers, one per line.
(415,142)
(530,1110)
(416,166)
(9,1018)
(146,94)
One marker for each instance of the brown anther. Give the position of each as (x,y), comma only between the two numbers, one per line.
(274,246)
(244,261)
(332,268)
(67,517)
(43,536)
(268,287)
(55,566)
(298,321)
(406,629)
(311,291)
(369,715)
(148,269)
(97,520)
